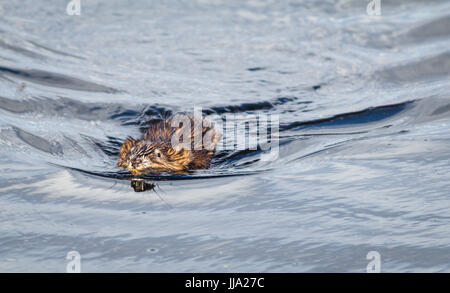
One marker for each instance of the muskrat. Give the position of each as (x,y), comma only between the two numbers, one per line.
(178,143)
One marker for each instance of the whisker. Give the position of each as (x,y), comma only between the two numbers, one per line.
(160,197)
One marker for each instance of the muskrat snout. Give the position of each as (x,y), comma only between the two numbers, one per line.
(137,164)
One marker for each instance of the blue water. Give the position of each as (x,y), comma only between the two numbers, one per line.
(364,160)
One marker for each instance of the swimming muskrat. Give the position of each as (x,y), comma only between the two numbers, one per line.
(178,143)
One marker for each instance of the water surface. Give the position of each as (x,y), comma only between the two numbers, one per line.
(364,109)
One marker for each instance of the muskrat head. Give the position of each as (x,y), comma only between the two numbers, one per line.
(144,156)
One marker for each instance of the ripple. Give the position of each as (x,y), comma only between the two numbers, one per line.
(57,80)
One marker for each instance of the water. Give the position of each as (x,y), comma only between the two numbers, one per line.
(364,110)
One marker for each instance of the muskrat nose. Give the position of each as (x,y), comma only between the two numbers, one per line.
(135,163)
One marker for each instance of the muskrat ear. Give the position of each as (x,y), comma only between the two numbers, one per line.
(127,145)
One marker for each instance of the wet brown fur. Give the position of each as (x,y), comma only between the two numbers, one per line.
(155,152)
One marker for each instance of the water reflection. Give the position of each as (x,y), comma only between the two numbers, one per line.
(139,185)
